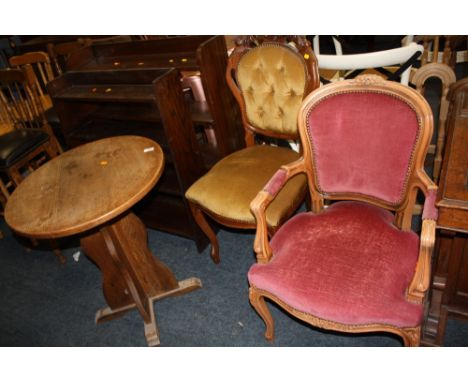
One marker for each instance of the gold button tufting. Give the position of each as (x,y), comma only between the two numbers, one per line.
(292,93)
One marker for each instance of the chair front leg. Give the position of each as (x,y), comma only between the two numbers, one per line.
(258,302)
(411,336)
(200,219)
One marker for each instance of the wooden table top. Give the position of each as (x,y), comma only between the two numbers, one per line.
(84,187)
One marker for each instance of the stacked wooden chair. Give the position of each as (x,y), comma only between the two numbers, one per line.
(30,140)
(436,65)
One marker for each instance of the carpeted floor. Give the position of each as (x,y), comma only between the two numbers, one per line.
(45,304)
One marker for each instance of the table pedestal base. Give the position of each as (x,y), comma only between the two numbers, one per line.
(151,328)
(132,277)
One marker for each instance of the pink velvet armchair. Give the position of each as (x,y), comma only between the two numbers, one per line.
(353,265)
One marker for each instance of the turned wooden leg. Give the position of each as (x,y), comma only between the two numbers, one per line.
(57,251)
(132,277)
(207,230)
(258,302)
(439,149)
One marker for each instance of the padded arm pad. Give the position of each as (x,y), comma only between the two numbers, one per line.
(430,210)
(276,183)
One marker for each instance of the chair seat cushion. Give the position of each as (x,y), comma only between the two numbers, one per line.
(348,264)
(18,143)
(229,187)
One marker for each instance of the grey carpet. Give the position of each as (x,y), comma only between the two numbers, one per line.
(45,304)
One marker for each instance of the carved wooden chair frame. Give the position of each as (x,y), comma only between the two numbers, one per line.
(416,179)
(244,45)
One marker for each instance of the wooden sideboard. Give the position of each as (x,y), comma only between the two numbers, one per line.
(206,55)
(93,105)
(449,290)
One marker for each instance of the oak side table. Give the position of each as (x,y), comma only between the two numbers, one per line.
(89,191)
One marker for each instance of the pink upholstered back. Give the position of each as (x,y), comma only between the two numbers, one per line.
(363,143)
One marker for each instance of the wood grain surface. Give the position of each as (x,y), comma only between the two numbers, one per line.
(85,187)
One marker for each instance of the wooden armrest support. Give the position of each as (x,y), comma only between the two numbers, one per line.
(421,278)
(260,203)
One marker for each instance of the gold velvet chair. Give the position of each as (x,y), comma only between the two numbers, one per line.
(269,78)
(354,265)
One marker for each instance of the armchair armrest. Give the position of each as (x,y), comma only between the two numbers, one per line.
(260,203)
(420,282)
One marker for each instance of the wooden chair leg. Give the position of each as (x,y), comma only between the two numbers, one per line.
(4,191)
(50,150)
(258,302)
(411,336)
(207,230)
(52,147)
(15,175)
(57,251)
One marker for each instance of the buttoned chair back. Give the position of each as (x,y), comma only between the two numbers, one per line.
(269,82)
(353,264)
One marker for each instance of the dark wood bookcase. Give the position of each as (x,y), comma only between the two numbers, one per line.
(205,55)
(149,102)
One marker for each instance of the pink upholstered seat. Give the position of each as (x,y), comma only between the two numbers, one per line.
(348,264)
